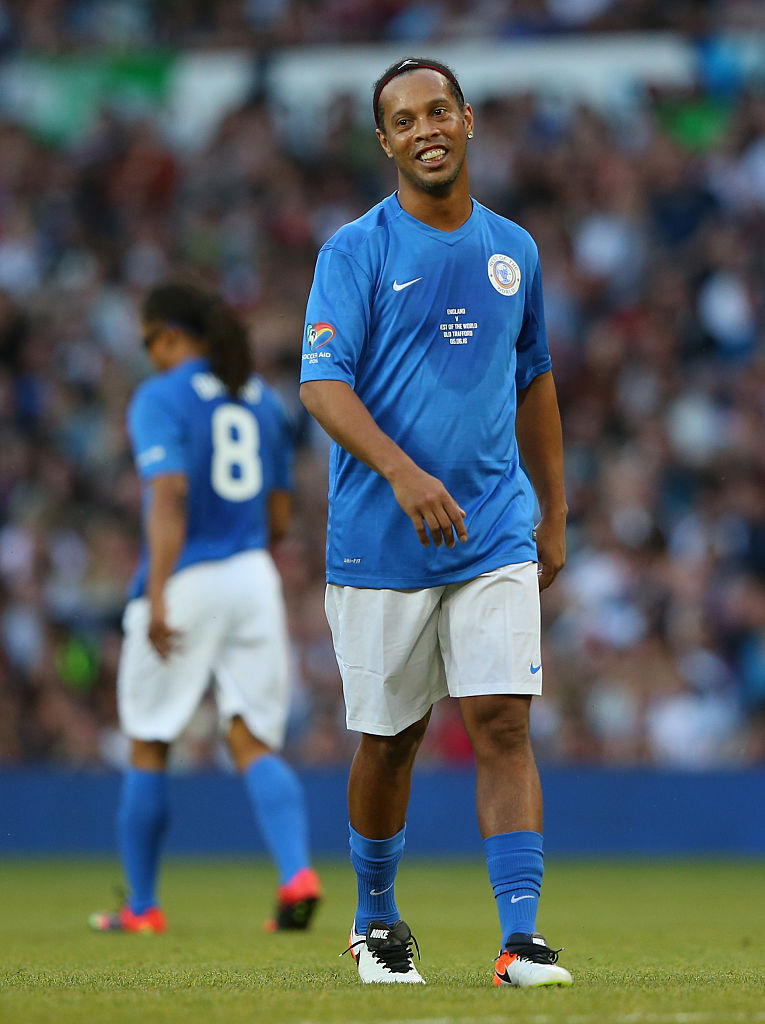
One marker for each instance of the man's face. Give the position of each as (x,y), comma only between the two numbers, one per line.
(425,132)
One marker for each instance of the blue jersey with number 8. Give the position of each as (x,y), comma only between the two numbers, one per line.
(234,453)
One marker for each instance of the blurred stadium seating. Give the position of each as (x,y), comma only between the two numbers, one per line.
(139,139)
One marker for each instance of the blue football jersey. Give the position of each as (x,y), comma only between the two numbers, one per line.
(233,453)
(435,332)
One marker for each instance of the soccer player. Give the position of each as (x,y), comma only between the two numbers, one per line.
(213,448)
(426,360)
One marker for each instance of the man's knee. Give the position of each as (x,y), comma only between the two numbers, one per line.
(498,724)
(245,748)
(149,755)
(395,751)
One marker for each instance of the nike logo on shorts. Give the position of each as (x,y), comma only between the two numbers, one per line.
(534,668)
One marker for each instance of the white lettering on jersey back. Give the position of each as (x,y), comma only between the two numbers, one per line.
(252,392)
(207,386)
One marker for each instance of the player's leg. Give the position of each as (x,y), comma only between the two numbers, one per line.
(379,785)
(142,817)
(278,803)
(509,804)
(387,649)
(276,797)
(141,824)
(490,631)
(156,700)
(252,689)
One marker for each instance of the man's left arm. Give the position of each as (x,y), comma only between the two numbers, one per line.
(540,442)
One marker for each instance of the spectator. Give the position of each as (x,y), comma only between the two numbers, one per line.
(651,241)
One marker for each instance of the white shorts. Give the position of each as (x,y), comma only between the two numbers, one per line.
(400,651)
(231,614)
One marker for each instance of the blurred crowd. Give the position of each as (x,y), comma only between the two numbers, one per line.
(651,230)
(63,25)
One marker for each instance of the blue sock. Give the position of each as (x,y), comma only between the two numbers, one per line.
(141,822)
(376,862)
(516,864)
(277,799)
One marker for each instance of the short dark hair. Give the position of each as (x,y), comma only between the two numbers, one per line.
(208,318)
(401,67)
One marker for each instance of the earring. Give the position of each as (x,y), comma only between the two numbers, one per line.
(470,135)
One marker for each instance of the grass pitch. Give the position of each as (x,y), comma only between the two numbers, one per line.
(647,943)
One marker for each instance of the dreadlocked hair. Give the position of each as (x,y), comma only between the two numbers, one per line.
(210,320)
(228,347)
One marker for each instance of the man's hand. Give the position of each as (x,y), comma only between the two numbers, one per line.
(339,410)
(550,535)
(428,504)
(163,639)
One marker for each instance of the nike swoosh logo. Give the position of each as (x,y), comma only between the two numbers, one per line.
(375,892)
(400,287)
(534,668)
(517,899)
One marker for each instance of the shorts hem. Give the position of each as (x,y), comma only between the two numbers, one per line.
(534,690)
(274,741)
(150,735)
(375,729)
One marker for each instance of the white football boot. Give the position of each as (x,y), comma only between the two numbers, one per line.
(528,962)
(384,955)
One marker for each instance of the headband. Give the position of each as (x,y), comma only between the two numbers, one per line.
(411,65)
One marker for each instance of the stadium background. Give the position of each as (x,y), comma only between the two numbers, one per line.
(139,139)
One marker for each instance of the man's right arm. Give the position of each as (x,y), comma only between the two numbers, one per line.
(165,537)
(339,410)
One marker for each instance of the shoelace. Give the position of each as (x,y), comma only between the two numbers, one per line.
(534,952)
(397,957)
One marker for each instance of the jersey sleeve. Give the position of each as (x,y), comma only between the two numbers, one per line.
(337,318)
(156,434)
(532,349)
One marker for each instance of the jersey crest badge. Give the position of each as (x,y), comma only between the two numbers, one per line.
(318,335)
(504,274)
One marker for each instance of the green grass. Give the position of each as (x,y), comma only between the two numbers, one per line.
(663,943)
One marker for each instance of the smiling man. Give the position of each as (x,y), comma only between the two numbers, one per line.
(425,358)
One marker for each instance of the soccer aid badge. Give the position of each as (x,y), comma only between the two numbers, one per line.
(504,274)
(318,335)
